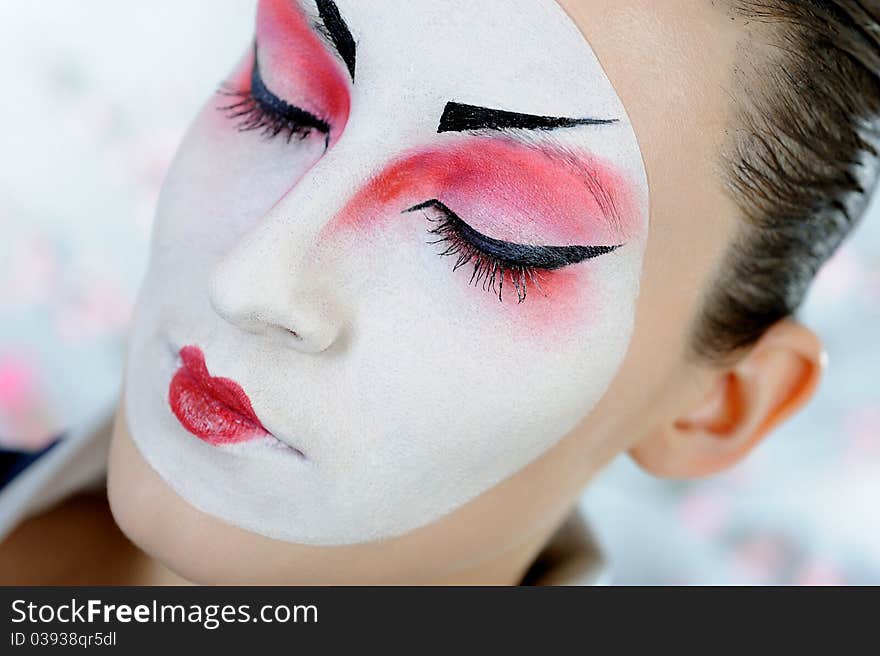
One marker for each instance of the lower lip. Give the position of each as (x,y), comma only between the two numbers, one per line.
(216,410)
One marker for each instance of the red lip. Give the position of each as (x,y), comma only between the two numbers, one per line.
(214,409)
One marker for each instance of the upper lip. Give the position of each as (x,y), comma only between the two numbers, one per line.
(215,409)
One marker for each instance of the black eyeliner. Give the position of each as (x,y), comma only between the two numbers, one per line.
(271,103)
(517,255)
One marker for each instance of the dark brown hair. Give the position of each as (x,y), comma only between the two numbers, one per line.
(801,160)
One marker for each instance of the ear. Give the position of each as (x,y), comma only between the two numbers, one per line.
(740,405)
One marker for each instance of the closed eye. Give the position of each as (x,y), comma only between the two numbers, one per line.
(259,109)
(493,259)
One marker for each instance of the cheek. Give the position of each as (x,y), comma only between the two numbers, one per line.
(559,307)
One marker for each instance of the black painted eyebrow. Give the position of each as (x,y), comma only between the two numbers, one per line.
(521,255)
(458,117)
(338,33)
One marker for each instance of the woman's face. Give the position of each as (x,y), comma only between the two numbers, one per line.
(396,262)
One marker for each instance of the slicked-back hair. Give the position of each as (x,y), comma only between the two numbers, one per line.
(800,162)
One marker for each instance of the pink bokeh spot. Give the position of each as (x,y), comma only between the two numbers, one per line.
(25,418)
(862,429)
(705,514)
(763,557)
(18,382)
(819,572)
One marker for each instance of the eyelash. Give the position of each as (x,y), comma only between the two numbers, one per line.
(493,259)
(489,271)
(260,109)
(253,116)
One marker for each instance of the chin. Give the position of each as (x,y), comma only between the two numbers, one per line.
(206,551)
(168,529)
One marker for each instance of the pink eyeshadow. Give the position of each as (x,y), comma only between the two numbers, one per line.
(507,191)
(510,191)
(297,66)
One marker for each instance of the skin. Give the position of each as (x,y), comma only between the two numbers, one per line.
(671,64)
(407,391)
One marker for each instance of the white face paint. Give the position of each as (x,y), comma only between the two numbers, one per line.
(375,388)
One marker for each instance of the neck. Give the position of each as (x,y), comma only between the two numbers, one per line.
(507,568)
(503,569)
(147,571)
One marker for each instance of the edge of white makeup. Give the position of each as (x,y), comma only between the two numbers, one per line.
(395,391)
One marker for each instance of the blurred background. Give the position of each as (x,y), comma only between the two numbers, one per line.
(99,93)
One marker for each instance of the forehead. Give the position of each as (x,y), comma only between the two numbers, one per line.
(525,55)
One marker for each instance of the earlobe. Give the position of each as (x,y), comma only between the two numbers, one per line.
(742,404)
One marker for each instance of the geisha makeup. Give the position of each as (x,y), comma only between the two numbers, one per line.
(396,260)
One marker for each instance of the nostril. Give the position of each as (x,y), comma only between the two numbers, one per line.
(299,335)
(290,336)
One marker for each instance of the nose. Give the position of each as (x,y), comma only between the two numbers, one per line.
(274,283)
(279,280)
(261,289)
